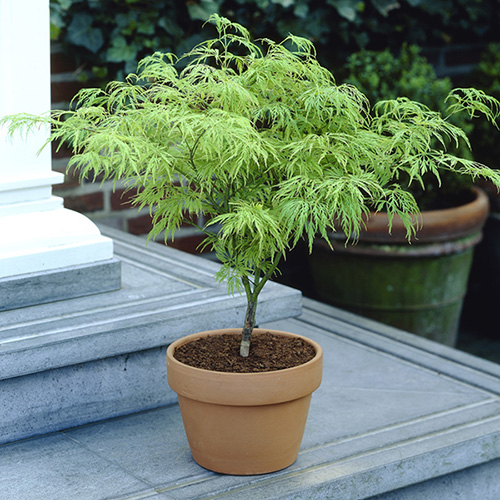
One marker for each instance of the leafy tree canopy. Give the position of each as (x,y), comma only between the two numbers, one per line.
(260,139)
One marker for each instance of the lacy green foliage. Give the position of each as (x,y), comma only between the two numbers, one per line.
(262,141)
(108,37)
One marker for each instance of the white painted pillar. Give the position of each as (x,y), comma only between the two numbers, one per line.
(36,232)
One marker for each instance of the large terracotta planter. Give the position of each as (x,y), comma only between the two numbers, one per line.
(244,423)
(418,287)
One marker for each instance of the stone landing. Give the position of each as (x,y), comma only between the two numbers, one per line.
(396,418)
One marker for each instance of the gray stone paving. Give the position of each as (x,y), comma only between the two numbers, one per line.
(397,417)
(394,411)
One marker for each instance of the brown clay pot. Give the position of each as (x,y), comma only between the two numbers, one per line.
(244,423)
(420,287)
(434,225)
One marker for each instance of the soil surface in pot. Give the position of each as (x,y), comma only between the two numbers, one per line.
(221,353)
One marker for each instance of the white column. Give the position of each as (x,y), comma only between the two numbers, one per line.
(36,232)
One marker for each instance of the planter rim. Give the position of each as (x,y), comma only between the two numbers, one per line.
(435,225)
(398,250)
(244,389)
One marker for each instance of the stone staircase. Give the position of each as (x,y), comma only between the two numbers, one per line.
(86,413)
(85,359)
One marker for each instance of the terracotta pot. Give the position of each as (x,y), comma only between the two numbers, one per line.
(419,287)
(244,423)
(447,224)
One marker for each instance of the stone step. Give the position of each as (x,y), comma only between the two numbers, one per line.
(397,417)
(90,358)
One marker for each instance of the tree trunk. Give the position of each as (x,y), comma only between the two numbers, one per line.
(248,328)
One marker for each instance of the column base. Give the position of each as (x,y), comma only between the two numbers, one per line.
(65,283)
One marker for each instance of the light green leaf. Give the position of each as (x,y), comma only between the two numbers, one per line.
(284,3)
(346,8)
(385,6)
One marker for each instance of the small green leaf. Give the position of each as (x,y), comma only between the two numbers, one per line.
(81,32)
(126,23)
(385,6)
(145,25)
(301,9)
(65,4)
(203,10)
(55,31)
(120,50)
(100,72)
(346,8)
(284,3)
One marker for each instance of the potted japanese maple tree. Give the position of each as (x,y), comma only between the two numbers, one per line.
(259,138)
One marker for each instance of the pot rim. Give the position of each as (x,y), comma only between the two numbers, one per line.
(189,338)
(435,225)
(244,389)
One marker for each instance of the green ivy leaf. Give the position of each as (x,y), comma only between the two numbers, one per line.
(301,9)
(261,4)
(57,23)
(151,42)
(126,23)
(385,6)
(170,26)
(65,4)
(284,3)
(100,72)
(203,10)
(81,32)
(146,26)
(55,31)
(121,51)
(346,8)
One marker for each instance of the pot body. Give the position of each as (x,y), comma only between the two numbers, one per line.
(419,287)
(244,423)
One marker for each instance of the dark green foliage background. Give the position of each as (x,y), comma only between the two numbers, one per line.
(108,37)
(486,76)
(387,75)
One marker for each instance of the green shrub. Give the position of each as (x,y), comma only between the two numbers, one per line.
(258,138)
(382,75)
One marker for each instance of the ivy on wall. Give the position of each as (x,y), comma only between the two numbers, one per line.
(109,36)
